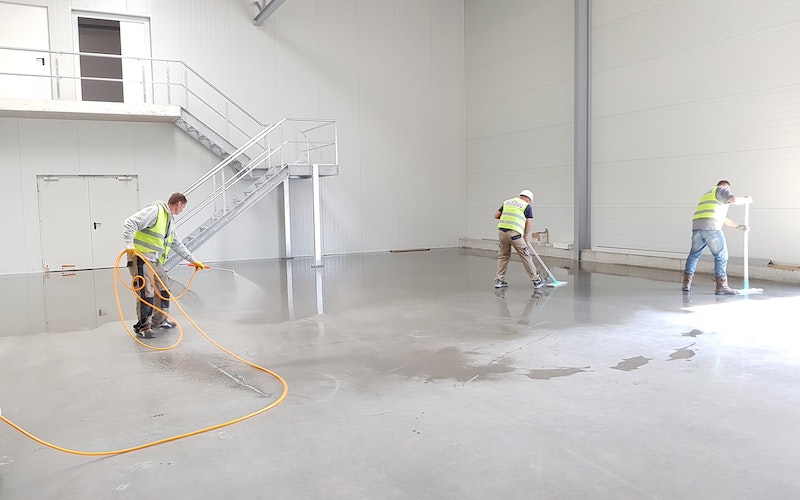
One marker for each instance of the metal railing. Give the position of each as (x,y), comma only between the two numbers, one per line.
(157,81)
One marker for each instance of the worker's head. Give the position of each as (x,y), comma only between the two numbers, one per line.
(724,183)
(177,202)
(526,194)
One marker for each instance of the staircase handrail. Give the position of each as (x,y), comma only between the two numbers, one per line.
(58,76)
(250,135)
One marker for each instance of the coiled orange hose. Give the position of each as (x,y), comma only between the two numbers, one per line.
(135,287)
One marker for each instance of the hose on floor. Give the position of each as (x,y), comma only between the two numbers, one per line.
(134,287)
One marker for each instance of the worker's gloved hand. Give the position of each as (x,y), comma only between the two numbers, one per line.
(129,248)
(199,265)
(743,227)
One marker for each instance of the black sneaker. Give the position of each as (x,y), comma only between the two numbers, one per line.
(137,328)
(539,282)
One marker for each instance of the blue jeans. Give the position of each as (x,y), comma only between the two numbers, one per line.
(714,239)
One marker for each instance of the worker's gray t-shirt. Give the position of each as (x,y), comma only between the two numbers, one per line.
(723,193)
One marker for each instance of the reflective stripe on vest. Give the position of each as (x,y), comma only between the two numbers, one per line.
(710,207)
(513,216)
(155,239)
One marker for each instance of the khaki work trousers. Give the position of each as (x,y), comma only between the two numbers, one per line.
(509,239)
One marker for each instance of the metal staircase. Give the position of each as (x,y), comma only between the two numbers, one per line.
(291,148)
(203,134)
(255,157)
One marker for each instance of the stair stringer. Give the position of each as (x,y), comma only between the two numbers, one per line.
(260,188)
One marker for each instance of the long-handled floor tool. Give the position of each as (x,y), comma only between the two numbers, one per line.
(553,281)
(747,290)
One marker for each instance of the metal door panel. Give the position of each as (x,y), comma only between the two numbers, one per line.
(64,222)
(112,200)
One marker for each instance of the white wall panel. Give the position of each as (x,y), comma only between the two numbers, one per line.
(538,146)
(11,197)
(519,93)
(105,147)
(297,59)
(685,94)
(732,67)
(522,72)
(339,97)
(515,32)
(536,108)
(448,130)
(487,15)
(680,26)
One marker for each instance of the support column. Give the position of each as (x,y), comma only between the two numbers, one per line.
(583,121)
(287,221)
(317,218)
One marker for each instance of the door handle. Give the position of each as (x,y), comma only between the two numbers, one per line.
(40,59)
(97,224)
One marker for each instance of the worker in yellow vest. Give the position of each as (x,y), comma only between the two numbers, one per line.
(515,216)
(709,217)
(150,232)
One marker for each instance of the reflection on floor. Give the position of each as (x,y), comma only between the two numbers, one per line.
(409,376)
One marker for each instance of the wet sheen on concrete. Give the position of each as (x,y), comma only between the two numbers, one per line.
(409,376)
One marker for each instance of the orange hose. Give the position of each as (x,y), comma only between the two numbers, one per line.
(133,287)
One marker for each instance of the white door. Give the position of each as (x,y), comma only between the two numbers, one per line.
(64,222)
(112,199)
(24,27)
(81,219)
(137,70)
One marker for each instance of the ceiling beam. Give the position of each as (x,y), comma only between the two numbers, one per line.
(267,9)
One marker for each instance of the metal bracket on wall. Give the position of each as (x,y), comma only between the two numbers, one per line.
(267,8)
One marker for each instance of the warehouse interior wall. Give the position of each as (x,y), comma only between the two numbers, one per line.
(684,94)
(519,105)
(390,73)
(445,108)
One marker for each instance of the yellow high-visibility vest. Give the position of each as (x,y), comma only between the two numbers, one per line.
(513,216)
(155,239)
(709,207)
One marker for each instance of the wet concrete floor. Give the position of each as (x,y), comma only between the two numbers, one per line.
(409,377)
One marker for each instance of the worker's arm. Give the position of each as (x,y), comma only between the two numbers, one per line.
(528,223)
(736,225)
(142,219)
(498,214)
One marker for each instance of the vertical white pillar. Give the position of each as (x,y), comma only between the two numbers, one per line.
(287,221)
(317,218)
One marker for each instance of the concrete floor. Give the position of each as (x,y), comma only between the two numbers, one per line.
(410,377)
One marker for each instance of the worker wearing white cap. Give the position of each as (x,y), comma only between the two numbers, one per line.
(515,217)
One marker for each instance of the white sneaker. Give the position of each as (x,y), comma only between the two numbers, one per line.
(500,283)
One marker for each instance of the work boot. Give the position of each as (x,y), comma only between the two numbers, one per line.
(146,332)
(687,281)
(723,288)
